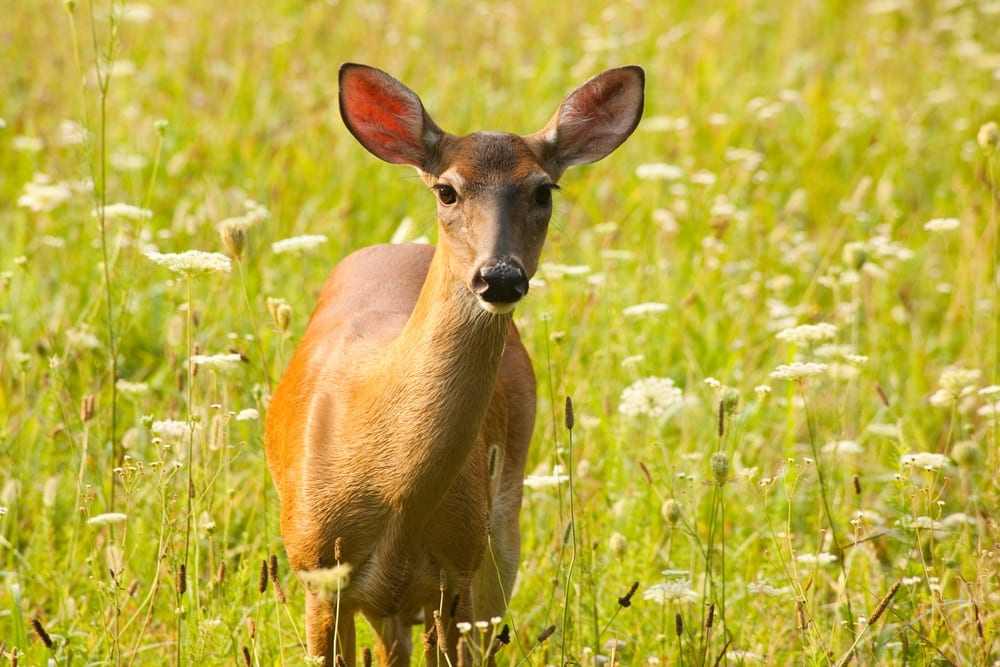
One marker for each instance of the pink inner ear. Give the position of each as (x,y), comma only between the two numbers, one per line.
(385,121)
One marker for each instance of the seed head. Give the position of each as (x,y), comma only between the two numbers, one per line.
(234,237)
(618,544)
(720,466)
(989,137)
(671,511)
(39,629)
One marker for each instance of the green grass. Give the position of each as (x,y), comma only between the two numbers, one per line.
(813,141)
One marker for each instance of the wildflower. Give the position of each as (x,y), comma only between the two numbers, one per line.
(121,160)
(958,380)
(762,390)
(544,481)
(807,333)
(298,243)
(816,559)
(653,396)
(27,144)
(843,447)
(988,137)
(41,194)
(941,224)
(647,308)
(464,627)
(192,262)
(743,656)
(106,519)
(247,414)
(798,370)
(559,270)
(765,589)
(131,389)
(713,383)
(216,362)
(172,429)
(942,398)
(991,391)
(671,591)
(326,582)
(925,460)
(659,171)
(70,133)
(122,211)
(990,410)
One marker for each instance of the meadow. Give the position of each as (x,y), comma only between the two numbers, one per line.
(774,310)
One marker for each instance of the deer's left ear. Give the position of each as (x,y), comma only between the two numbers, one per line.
(593,120)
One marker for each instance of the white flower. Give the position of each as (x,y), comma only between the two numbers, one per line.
(762,390)
(798,370)
(27,144)
(41,194)
(70,133)
(659,171)
(816,559)
(216,362)
(765,589)
(132,389)
(106,519)
(843,447)
(544,481)
(122,211)
(941,224)
(713,383)
(671,591)
(173,429)
(925,460)
(957,379)
(741,656)
(942,398)
(884,430)
(647,308)
(558,270)
(653,396)
(990,410)
(192,262)
(464,627)
(247,415)
(326,582)
(990,391)
(298,243)
(807,333)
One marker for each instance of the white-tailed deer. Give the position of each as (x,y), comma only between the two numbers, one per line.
(398,434)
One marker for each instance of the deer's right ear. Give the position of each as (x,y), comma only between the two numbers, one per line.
(386,117)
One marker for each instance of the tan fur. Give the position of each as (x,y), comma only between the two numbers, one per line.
(398,435)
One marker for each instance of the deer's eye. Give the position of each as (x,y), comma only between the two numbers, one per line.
(543,195)
(446,194)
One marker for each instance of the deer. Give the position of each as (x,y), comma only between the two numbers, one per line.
(397,435)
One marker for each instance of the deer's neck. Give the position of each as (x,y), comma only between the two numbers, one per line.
(438,378)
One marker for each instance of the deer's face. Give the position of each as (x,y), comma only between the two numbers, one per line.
(494,204)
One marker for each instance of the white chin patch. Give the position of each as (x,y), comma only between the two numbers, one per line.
(497,308)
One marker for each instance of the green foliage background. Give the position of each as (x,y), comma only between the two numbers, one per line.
(790,156)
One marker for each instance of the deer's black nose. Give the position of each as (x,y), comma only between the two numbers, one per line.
(504,281)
